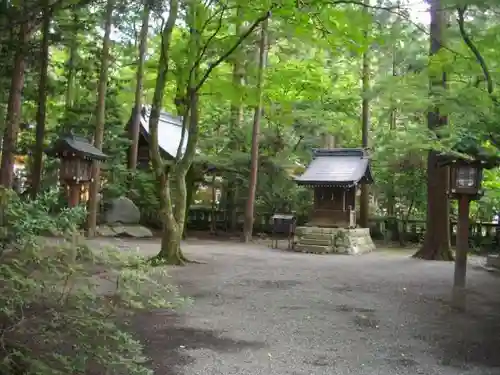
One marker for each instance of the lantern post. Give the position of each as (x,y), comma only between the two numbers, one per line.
(77,155)
(465,186)
(465,177)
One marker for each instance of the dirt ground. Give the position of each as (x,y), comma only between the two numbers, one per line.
(262,311)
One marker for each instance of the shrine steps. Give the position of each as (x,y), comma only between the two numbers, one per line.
(318,240)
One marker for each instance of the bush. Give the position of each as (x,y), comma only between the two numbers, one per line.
(62,302)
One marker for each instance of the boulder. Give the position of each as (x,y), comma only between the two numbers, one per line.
(122,210)
(105,231)
(136,231)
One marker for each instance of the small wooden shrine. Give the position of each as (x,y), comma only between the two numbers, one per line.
(77,156)
(335,175)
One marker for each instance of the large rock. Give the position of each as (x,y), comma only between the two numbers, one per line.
(136,231)
(122,210)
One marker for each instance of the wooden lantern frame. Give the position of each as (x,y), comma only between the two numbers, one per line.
(471,172)
(77,157)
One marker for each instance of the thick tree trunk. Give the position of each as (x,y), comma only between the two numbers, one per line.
(364,201)
(174,216)
(170,246)
(249,210)
(170,251)
(436,245)
(100,119)
(136,120)
(36,175)
(13,111)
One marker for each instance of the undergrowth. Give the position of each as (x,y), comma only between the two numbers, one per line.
(62,303)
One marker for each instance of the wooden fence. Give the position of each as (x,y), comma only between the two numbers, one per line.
(482,235)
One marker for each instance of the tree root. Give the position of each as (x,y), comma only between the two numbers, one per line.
(425,254)
(178,260)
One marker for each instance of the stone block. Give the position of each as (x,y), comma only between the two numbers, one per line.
(333,240)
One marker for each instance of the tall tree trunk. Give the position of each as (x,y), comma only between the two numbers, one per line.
(364,202)
(36,175)
(13,110)
(236,118)
(161,173)
(249,210)
(436,245)
(136,119)
(71,68)
(170,251)
(392,222)
(100,119)
(174,215)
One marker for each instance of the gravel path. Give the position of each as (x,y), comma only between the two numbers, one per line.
(262,311)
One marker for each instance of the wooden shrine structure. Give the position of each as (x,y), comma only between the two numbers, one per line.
(77,155)
(169,136)
(335,175)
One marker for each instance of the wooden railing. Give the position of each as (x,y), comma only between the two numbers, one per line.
(482,235)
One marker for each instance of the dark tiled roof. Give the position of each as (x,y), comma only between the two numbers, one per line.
(78,145)
(343,166)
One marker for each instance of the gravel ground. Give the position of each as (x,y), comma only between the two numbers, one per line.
(262,311)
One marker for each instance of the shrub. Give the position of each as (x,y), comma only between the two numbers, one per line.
(62,302)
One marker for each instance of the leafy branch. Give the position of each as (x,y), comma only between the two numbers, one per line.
(230,51)
(475,51)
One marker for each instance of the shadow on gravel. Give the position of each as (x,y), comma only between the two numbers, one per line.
(167,342)
(465,339)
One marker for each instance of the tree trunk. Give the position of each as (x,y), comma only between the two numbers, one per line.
(71,69)
(364,201)
(100,119)
(392,222)
(236,118)
(36,175)
(13,110)
(436,245)
(170,244)
(249,210)
(191,188)
(136,119)
(174,216)
(459,278)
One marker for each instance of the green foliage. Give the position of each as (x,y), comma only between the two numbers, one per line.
(64,303)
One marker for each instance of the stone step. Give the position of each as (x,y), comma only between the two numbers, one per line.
(316,249)
(315,241)
(315,236)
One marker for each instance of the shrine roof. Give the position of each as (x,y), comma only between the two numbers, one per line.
(340,166)
(77,145)
(169,131)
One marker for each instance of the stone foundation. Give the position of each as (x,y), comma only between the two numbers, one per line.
(319,240)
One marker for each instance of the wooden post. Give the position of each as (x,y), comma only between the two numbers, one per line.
(327,141)
(459,279)
(74,195)
(213,221)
